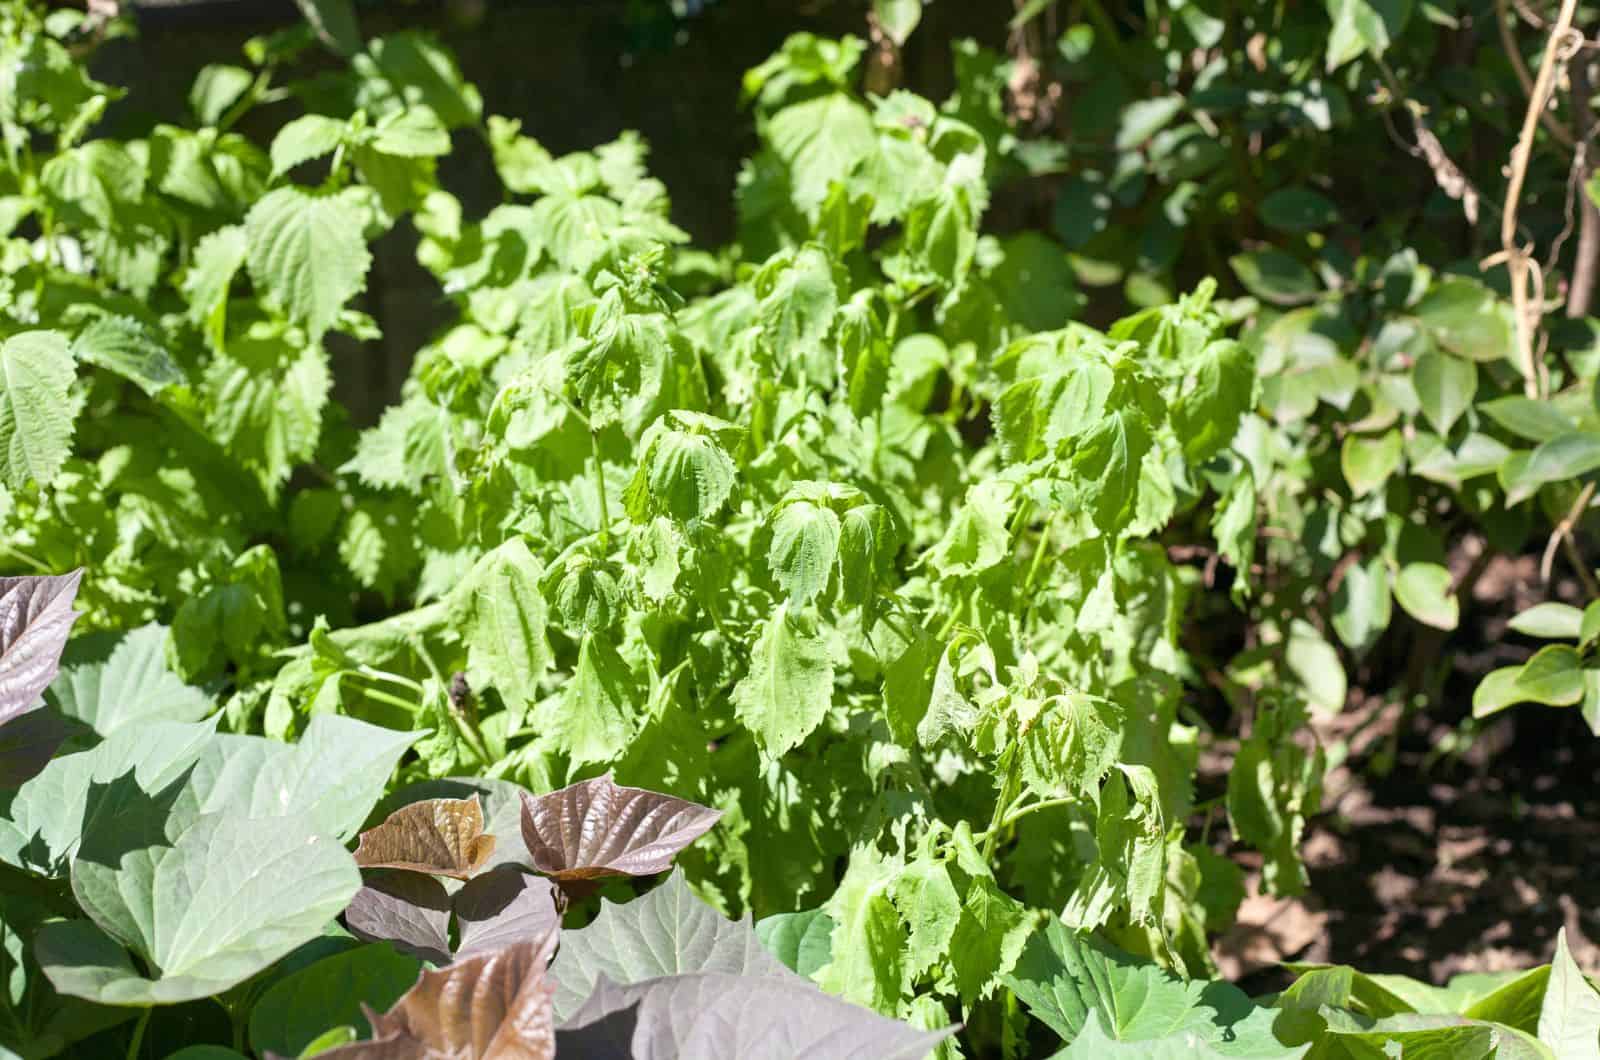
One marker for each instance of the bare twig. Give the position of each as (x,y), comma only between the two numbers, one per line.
(1563,537)
(1519,263)
(1581,292)
(1508,40)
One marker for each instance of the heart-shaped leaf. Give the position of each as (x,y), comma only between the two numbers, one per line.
(667,932)
(35,617)
(502,810)
(407,909)
(498,908)
(111,680)
(328,781)
(206,908)
(490,1006)
(717,1016)
(597,828)
(443,837)
(504,907)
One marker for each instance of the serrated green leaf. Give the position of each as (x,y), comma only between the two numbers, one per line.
(804,548)
(36,417)
(307,253)
(789,686)
(307,137)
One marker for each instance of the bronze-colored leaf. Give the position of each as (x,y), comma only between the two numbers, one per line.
(493,1005)
(596,828)
(439,836)
(490,1006)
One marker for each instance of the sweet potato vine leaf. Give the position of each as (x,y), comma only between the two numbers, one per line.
(596,828)
(717,1016)
(35,617)
(498,908)
(504,907)
(407,909)
(443,837)
(667,932)
(490,1006)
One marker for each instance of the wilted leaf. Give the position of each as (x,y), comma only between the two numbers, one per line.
(35,617)
(597,828)
(439,836)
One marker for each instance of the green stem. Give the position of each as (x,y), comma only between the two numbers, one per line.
(1008,792)
(1039,553)
(950,623)
(600,489)
(251,97)
(1034,807)
(384,697)
(372,673)
(468,727)
(23,557)
(138,1034)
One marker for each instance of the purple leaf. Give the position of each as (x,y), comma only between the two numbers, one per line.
(27,744)
(407,909)
(502,907)
(596,828)
(716,1016)
(35,617)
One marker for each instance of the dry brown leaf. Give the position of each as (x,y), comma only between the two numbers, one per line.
(439,836)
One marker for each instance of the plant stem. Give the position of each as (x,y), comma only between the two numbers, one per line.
(1038,554)
(384,697)
(600,489)
(374,674)
(1002,803)
(1034,807)
(1517,259)
(1587,257)
(138,1034)
(468,727)
(23,557)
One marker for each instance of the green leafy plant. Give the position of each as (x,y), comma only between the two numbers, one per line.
(846,568)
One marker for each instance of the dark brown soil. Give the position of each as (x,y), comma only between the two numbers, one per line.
(1445,845)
